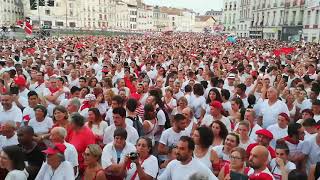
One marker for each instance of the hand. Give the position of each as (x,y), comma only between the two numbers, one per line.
(280,162)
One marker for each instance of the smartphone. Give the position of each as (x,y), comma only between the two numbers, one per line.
(285,77)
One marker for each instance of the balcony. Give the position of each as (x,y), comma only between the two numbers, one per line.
(292,23)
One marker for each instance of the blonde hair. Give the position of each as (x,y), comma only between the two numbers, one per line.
(95,150)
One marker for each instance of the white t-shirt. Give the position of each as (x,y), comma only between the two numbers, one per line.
(276,172)
(4,141)
(13,114)
(252,132)
(177,171)
(98,129)
(277,133)
(109,154)
(63,172)
(51,106)
(41,127)
(270,113)
(169,137)
(17,175)
(28,111)
(149,166)
(132,137)
(208,119)
(312,150)
(71,154)
(196,104)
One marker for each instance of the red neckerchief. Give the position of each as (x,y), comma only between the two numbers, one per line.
(85,105)
(290,140)
(53,90)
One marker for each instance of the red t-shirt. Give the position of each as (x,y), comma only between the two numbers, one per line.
(81,139)
(272,152)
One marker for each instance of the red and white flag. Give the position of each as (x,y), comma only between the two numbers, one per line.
(26,26)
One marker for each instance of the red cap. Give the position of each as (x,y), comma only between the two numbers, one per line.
(58,148)
(105,70)
(265,133)
(20,80)
(216,104)
(285,115)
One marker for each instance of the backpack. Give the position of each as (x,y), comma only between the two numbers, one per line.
(137,125)
(167,125)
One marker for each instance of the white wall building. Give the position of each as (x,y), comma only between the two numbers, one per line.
(230,15)
(244,18)
(10,12)
(311,23)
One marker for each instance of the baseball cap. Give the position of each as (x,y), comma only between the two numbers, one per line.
(265,133)
(231,76)
(216,104)
(57,148)
(20,81)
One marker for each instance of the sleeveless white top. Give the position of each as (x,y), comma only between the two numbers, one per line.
(206,158)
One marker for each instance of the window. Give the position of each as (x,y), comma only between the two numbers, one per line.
(59,23)
(316,21)
(47,12)
(308,18)
(294,13)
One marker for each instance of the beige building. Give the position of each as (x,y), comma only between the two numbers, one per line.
(311,23)
(203,22)
(10,12)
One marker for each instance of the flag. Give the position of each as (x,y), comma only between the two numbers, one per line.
(232,39)
(26,26)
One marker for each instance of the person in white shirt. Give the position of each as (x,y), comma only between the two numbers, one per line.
(215,115)
(41,124)
(12,160)
(270,108)
(316,110)
(9,111)
(280,129)
(56,168)
(28,111)
(116,101)
(9,135)
(185,166)
(311,150)
(281,166)
(146,165)
(172,135)
(58,135)
(119,116)
(114,153)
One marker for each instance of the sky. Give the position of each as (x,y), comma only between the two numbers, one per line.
(200,6)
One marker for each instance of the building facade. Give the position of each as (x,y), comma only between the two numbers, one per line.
(10,12)
(311,23)
(230,15)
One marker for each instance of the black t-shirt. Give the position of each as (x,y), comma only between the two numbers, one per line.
(35,158)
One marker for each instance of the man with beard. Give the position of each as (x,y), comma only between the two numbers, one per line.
(258,161)
(185,165)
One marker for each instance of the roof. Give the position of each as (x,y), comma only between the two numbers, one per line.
(171,11)
(204,18)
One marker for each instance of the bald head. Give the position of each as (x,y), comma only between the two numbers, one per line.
(187,112)
(258,159)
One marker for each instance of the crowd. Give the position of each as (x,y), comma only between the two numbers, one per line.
(165,106)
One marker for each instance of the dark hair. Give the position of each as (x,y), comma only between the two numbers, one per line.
(77,119)
(178,117)
(61,109)
(284,146)
(97,114)
(198,89)
(120,132)
(16,155)
(206,136)
(309,122)
(83,78)
(218,96)
(239,102)
(225,93)
(131,104)
(187,88)
(293,129)
(148,109)
(149,142)
(223,129)
(190,141)
(74,89)
(32,93)
(119,110)
(118,99)
(242,86)
(316,102)
(42,108)
(251,100)
(297,175)
(236,136)
(28,129)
